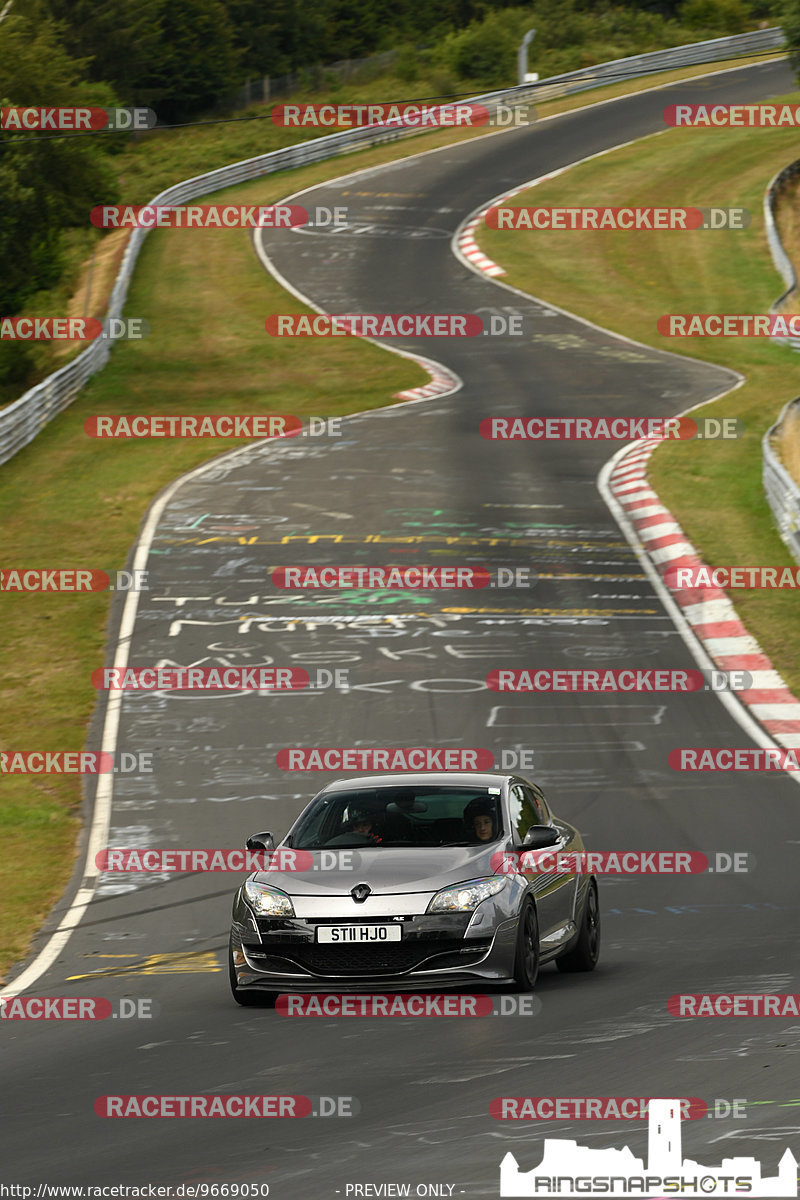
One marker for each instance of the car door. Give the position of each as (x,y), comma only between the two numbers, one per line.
(554,891)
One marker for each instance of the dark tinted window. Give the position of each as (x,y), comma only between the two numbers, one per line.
(400,816)
(523,811)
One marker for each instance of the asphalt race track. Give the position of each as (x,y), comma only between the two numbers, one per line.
(417,483)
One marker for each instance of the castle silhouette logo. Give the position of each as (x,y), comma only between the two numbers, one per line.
(568,1169)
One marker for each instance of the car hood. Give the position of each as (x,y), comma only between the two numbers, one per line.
(389,871)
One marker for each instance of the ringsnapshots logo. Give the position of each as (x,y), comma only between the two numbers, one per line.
(568,1169)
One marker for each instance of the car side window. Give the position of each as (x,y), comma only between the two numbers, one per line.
(523,811)
(539,804)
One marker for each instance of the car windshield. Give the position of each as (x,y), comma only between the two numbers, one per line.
(402,816)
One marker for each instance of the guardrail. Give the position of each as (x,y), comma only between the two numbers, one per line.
(21,421)
(779,255)
(783,494)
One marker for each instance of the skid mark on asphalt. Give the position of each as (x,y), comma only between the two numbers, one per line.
(192,963)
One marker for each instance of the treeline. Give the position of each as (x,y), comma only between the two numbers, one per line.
(181,57)
(184,57)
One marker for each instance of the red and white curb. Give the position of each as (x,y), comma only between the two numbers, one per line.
(443,382)
(464,241)
(707,610)
(471,250)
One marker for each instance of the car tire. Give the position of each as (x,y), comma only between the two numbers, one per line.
(584,954)
(526,957)
(243,997)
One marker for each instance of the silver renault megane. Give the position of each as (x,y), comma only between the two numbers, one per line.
(408,882)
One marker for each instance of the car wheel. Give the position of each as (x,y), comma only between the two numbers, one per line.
(526,959)
(584,954)
(245,998)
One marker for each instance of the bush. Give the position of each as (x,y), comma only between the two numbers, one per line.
(486,51)
(720,17)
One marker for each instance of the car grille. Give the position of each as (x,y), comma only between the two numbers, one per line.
(385,959)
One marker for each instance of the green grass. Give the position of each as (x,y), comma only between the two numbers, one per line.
(625,281)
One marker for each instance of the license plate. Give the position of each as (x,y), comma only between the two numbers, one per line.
(348,935)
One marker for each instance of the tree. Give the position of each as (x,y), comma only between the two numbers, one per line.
(46,184)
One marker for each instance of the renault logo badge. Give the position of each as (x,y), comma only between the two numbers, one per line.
(360,892)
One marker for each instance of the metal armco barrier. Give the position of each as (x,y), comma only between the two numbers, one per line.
(21,421)
(783,494)
(781,490)
(779,255)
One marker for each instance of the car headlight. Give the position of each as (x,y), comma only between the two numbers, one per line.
(465,897)
(268,901)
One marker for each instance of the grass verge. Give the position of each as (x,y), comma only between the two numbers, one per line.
(626,281)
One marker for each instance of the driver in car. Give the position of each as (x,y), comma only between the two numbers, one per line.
(480,820)
(362,821)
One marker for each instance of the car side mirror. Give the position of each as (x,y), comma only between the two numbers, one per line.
(260,841)
(540,836)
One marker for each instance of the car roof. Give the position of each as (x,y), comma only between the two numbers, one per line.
(421,778)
